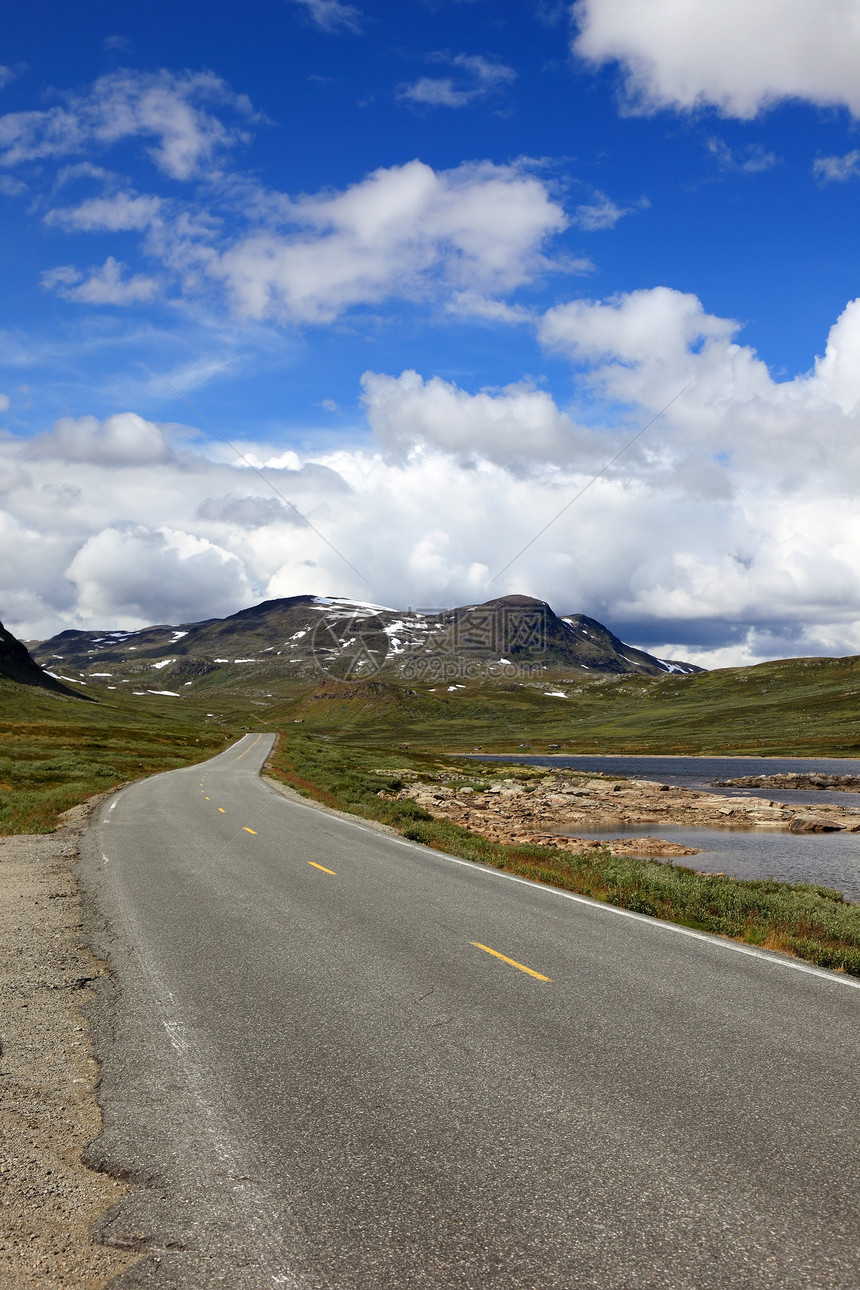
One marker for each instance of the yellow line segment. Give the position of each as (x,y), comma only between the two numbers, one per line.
(538,975)
(322,866)
(247,830)
(221,809)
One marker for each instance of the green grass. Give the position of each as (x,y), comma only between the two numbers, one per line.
(795,707)
(810,922)
(56,752)
(358,739)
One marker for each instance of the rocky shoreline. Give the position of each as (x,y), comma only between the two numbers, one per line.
(794,779)
(553,809)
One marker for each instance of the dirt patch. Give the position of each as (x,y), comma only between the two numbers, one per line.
(48,1073)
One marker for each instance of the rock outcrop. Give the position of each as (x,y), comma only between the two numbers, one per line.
(554,808)
(17,665)
(794,779)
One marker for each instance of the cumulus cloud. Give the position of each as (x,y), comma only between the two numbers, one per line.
(170,109)
(332,15)
(518,426)
(103,286)
(245,512)
(475,78)
(148,575)
(121,440)
(396,233)
(644,346)
(839,169)
(407,231)
(739,56)
(728,532)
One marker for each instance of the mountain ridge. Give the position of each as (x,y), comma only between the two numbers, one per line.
(302,637)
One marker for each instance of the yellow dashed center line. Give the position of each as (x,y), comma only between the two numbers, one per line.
(537,975)
(247,830)
(221,809)
(322,866)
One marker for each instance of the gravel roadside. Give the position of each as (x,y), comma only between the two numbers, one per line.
(49,1111)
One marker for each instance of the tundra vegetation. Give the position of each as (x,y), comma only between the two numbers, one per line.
(344,742)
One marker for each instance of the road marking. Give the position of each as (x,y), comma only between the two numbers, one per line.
(247,830)
(221,809)
(322,866)
(208,799)
(537,975)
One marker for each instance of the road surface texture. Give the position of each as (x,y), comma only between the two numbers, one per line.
(338,1059)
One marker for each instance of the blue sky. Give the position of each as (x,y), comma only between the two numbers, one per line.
(430,267)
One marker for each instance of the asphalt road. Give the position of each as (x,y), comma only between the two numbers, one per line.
(338,1059)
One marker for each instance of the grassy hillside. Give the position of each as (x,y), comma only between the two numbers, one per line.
(343,741)
(801,707)
(56,752)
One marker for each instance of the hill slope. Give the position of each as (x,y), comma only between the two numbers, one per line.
(309,637)
(17,665)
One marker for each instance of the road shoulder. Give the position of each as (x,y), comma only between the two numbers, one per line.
(49,1112)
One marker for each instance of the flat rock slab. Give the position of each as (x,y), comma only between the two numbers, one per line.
(559,804)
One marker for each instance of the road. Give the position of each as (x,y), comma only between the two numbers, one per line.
(338,1059)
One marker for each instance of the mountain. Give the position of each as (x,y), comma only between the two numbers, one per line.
(17,665)
(311,637)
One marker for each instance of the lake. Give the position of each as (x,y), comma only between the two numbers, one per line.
(829,859)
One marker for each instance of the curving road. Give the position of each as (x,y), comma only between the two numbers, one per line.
(341,1060)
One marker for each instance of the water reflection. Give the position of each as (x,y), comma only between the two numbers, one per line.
(827,859)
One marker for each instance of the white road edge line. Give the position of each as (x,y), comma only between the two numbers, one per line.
(768,956)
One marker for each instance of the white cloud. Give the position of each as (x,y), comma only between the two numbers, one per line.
(516,426)
(104,286)
(147,575)
(752,160)
(4,403)
(11,187)
(643,347)
(837,168)
(166,107)
(728,532)
(402,232)
(121,440)
(332,15)
(739,56)
(477,77)
(602,212)
(6,75)
(399,232)
(82,170)
(124,212)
